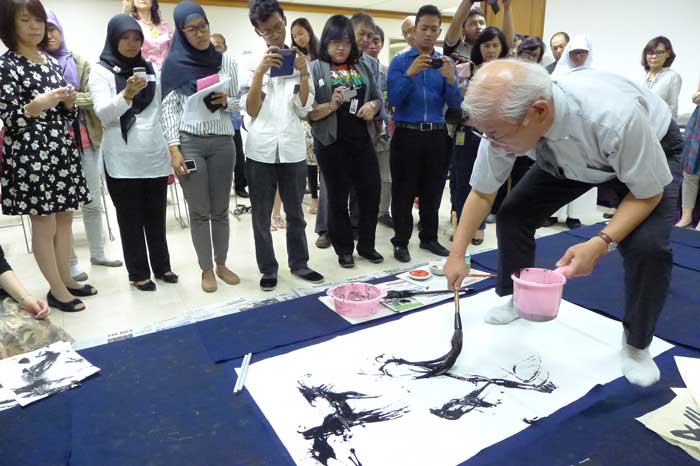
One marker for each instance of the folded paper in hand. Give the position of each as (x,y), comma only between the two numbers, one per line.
(196,108)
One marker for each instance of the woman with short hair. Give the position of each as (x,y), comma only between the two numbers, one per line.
(41,173)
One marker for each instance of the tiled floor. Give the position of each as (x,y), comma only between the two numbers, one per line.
(119,307)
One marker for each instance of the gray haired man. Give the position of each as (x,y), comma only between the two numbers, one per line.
(587,128)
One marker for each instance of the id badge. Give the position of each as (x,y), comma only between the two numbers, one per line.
(353,106)
(460,138)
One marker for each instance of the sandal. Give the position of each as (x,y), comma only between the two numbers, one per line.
(87,290)
(70,306)
(279,223)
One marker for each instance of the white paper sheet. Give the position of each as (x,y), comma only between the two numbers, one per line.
(690,372)
(677,422)
(506,377)
(7,399)
(195,110)
(44,372)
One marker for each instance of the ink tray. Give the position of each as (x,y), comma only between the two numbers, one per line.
(356,299)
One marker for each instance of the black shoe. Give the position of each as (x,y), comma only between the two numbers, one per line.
(608,215)
(242,193)
(386,220)
(373,256)
(401,254)
(71,306)
(477,241)
(346,261)
(309,275)
(323,241)
(168,277)
(86,290)
(268,284)
(435,247)
(550,221)
(148,286)
(572,223)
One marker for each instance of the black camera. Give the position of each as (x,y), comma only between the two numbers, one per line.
(436,63)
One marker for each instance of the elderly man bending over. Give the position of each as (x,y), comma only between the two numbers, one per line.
(583,130)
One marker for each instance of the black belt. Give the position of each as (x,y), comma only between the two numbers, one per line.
(422,126)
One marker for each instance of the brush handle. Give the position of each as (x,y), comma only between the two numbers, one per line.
(458,318)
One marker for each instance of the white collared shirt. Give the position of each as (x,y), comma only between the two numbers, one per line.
(605,126)
(276,135)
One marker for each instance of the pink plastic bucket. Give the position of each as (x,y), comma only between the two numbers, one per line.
(537,293)
(356,299)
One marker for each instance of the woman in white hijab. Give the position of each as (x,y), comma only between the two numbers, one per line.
(578,54)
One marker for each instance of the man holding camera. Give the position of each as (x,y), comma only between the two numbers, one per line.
(277,93)
(421,83)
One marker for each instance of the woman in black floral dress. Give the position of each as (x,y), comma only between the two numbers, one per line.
(41,174)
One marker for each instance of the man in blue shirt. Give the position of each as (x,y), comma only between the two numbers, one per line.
(421,84)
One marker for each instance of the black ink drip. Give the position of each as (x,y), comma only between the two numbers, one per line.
(354,459)
(342,420)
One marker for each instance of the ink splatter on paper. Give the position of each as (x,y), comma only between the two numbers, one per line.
(44,372)
(346,412)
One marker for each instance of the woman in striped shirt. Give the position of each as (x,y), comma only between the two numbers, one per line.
(206,144)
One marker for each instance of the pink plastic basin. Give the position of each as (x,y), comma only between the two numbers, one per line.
(356,299)
(537,293)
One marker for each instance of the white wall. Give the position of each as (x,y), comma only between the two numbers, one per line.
(85,25)
(619,30)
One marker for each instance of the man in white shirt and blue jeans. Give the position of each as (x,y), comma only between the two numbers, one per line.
(587,128)
(276,145)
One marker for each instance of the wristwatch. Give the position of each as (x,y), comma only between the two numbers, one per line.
(612,245)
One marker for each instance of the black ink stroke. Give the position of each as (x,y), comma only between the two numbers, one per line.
(37,370)
(355,461)
(526,375)
(690,433)
(343,418)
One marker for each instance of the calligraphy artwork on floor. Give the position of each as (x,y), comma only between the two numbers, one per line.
(44,372)
(359,399)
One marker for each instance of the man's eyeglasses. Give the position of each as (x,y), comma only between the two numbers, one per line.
(279,28)
(202,28)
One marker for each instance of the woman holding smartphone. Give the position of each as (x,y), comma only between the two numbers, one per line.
(208,143)
(126,98)
(41,174)
(347,100)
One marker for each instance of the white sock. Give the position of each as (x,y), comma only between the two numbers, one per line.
(502,314)
(75,270)
(638,366)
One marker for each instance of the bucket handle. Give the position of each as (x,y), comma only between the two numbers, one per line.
(563,270)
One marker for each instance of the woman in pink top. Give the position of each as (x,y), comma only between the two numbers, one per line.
(157,33)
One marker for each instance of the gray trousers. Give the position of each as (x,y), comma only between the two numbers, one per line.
(690,190)
(264,179)
(208,191)
(92,211)
(384,157)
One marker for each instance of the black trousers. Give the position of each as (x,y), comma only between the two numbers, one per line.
(141,207)
(346,166)
(419,162)
(646,251)
(239,179)
(312,177)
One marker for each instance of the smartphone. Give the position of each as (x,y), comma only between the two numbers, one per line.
(287,68)
(191,166)
(348,94)
(140,71)
(436,63)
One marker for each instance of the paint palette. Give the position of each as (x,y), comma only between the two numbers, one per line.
(419,274)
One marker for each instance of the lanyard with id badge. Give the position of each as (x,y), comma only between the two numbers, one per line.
(350,95)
